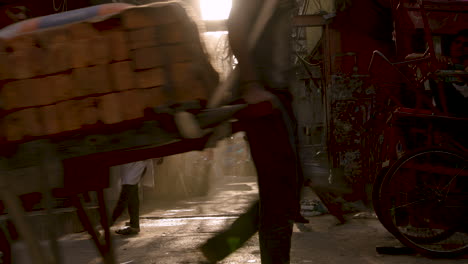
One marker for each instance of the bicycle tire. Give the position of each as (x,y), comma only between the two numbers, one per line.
(420,178)
(385,221)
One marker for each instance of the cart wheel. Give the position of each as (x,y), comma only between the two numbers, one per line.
(423,202)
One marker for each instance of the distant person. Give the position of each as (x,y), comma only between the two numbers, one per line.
(131,175)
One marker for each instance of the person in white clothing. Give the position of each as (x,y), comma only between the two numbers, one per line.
(131,174)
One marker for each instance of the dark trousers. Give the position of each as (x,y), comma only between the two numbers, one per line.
(130,200)
(272,216)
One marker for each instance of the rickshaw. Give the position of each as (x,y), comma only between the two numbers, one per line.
(417,147)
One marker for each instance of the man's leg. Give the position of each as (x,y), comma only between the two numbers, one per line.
(275,160)
(121,203)
(134,206)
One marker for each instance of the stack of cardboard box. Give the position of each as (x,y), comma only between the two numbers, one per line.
(101,72)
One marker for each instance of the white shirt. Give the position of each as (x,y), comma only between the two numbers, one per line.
(131,173)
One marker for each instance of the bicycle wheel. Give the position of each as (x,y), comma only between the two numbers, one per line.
(423,202)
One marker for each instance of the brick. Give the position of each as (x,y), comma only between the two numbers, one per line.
(154,97)
(152,15)
(150,78)
(20,65)
(32,125)
(37,57)
(5,67)
(147,58)
(11,95)
(142,38)
(20,42)
(50,119)
(58,58)
(109,109)
(118,47)
(99,50)
(123,77)
(79,53)
(132,104)
(174,33)
(17,94)
(62,86)
(22,123)
(180,53)
(89,111)
(13,127)
(81,82)
(43,91)
(91,80)
(187,82)
(53,35)
(99,76)
(90,51)
(82,30)
(69,115)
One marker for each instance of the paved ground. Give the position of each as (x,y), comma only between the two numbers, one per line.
(171,233)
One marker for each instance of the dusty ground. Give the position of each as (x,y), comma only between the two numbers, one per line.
(172,232)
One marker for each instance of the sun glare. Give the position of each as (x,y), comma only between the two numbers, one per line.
(215,9)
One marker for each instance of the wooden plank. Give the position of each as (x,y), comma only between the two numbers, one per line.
(150,78)
(122,75)
(147,58)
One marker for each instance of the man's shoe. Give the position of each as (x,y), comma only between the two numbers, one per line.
(128,231)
